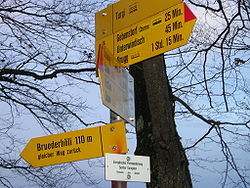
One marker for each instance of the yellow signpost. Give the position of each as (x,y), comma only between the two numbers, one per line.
(157,34)
(130,31)
(124,13)
(76,145)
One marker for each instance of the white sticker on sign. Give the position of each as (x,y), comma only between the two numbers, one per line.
(119,167)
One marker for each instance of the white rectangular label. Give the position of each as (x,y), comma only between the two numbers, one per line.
(121,167)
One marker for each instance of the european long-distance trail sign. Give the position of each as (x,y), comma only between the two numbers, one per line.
(76,145)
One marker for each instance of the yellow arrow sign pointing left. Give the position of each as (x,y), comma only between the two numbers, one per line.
(76,145)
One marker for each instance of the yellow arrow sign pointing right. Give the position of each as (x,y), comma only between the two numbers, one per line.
(155,35)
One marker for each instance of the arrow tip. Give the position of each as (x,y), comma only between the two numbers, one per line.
(189,15)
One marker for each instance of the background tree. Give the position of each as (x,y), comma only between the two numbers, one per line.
(215,66)
(208,79)
(46,60)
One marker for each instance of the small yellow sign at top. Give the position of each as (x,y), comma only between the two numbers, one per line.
(104,23)
(76,145)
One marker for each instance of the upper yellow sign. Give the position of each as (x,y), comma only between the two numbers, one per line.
(155,35)
(76,145)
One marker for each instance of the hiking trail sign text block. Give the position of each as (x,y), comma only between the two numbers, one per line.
(76,145)
(127,168)
(152,36)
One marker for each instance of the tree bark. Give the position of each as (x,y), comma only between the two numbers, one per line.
(156,132)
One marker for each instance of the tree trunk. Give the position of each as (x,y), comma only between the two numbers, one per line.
(157,136)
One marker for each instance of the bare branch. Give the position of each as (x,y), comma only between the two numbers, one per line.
(54,74)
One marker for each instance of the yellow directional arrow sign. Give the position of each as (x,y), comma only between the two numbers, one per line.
(124,13)
(157,34)
(76,145)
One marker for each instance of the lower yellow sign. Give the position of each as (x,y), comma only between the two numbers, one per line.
(76,145)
